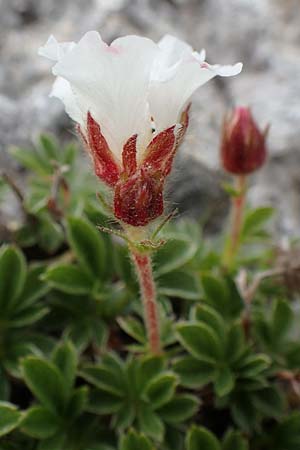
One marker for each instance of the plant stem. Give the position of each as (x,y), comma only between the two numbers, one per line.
(142,262)
(237,213)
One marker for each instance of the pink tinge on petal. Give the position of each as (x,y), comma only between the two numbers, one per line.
(129,156)
(106,168)
(113,49)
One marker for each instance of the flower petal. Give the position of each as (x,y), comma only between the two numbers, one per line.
(178,73)
(62,90)
(55,51)
(112,83)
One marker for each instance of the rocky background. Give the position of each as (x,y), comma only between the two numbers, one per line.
(264,34)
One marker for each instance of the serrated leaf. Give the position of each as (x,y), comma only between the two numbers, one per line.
(46,382)
(200,340)
(68,278)
(88,245)
(40,423)
(9,418)
(200,438)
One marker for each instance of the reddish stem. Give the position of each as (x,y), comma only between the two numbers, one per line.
(238,206)
(145,276)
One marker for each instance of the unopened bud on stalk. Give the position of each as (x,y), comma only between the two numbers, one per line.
(243,146)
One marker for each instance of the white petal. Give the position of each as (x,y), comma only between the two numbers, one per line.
(55,51)
(179,71)
(62,90)
(112,82)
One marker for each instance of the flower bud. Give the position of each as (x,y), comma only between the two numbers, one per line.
(243,146)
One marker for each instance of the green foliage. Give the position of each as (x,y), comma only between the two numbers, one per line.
(75,367)
(138,392)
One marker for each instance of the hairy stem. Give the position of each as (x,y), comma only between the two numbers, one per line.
(143,267)
(237,213)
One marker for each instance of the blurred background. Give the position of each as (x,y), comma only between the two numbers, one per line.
(263,34)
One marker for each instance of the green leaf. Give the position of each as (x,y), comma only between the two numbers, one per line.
(200,340)
(234,440)
(207,315)
(200,438)
(105,378)
(68,278)
(88,245)
(48,148)
(78,401)
(281,320)
(150,367)
(255,219)
(224,382)
(150,423)
(40,423)
(270,402)
(174,254)
(179,284)
(193,372)
(29,159)
(243,412)
(161,389)
(28,316)
(9,418)
(46,382)
(215,293)
(34,287)
(135,441)
(12,276)
(56,442)
(179,409)
(253,365)
(65,359)
(104,402)
(133,328)
(235,343)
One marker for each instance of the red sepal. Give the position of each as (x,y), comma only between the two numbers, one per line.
(106,168)
(160,152)
(139,200)
(129,156)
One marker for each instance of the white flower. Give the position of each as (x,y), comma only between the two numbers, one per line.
(130,85)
